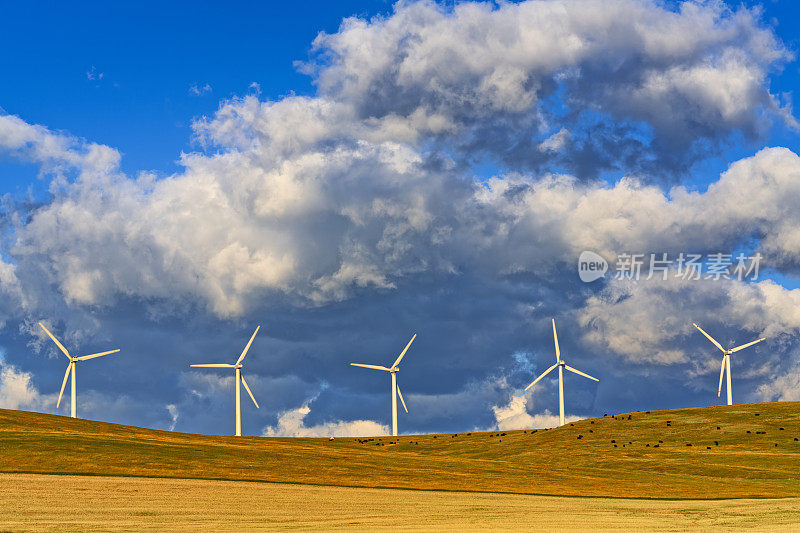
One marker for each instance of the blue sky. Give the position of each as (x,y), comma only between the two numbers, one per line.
(435,169)
(149,63)
(149,55)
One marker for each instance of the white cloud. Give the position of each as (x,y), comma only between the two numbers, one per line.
(556,141)
(199,90)
(291,423)
(515,415)
(317,225)
(783,388)
(646,322)
(16,389)
(755,197)
(55,152)
(174,414)
(701,68)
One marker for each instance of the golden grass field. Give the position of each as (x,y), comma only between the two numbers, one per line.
(547,462)
(650,458)
(32,502)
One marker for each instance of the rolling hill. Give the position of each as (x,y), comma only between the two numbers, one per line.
(747,450)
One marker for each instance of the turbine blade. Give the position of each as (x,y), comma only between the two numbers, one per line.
(101,354)
(403,353)
(64,384)
(576,371)
(244,352)
(555,339)
(743,346)
(250,393)
(61,346)
(374,367)
(216,365)
(400,394)
(721,373)
(535,381)
(718,345)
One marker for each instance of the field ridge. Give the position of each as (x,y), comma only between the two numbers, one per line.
(648,459)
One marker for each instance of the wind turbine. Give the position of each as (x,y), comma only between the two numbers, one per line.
(726,362)
(71,370)
(239,382)
(395,389)
(561,366)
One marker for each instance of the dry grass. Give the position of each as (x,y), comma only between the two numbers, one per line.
(31,502)
(553,462)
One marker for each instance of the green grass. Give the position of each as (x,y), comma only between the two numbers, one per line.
(554,461)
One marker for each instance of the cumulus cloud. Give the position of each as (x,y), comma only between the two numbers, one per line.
(16,389)
(646,322)
(783,388)
(485,75)
(515,415)
(556,141)
(292,424)
(56,152)
(234,228)
(752,199)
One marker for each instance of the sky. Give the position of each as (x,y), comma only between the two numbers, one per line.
(347,174)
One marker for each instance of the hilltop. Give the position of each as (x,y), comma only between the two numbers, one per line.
(747,450)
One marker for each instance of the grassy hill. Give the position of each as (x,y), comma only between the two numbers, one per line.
(748,450)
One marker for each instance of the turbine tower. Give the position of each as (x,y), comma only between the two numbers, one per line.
(395,389)
(726,362)
(561,366)
(73,361)
(239,382)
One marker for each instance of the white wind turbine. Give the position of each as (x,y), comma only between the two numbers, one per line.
(726,362)
(71,370)
(561,366)
(239,382)
(395,389)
